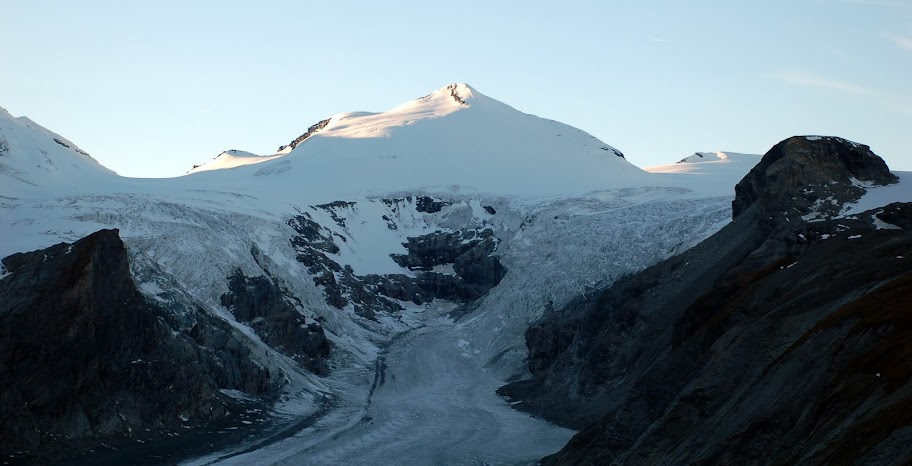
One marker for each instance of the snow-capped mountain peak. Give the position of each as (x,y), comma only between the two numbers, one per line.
(460,93)
(440,103)
(453,138)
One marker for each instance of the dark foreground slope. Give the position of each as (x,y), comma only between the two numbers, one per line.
(778,340)
(85,358)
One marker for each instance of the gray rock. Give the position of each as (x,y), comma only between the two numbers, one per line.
(313,129)
(260,303)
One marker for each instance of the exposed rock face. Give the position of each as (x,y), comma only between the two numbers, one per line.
(313,129)
(368,295)
(614,151)
(84,355)
(312,234)
(772,342)
(800,171)
(260,303)
(429,205)
(468,265)
(454,93)
(470,252)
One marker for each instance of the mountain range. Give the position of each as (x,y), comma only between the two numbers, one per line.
(415,283)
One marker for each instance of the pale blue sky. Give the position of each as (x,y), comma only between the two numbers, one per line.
(150,89)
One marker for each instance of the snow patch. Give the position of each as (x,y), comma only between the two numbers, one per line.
(882,225)
(463,345)
(445,269)
(880,196)
(815,215)
(153,290)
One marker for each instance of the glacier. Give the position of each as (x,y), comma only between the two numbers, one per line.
(416,386)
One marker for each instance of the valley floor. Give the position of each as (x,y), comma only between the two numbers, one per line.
(430,403)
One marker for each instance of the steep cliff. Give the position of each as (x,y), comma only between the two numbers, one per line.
(85,356)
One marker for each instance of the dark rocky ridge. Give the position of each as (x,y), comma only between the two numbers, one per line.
(85,357)
(313,129)
(775,341)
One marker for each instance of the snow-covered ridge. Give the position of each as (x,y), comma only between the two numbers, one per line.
(453,140)
(32,156)
(705,157)
(440,103)
(708,171)
(706,160)
(231,159)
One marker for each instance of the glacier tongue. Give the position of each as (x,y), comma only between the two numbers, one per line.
(429,389)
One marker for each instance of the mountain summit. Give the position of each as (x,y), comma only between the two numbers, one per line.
(454,139)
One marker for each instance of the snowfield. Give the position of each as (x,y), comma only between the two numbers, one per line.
(570,214)
(882,195)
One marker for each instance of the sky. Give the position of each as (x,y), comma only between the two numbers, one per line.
(152,88)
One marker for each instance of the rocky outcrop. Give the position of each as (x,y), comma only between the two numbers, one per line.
(85,356)
(471,255)
(312,234)
(454,93)
(615,151)
(424,204)
(313,129)
(368,295)
(261,304)
(457,266)
(772,342)
(804,172)
(429,205)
